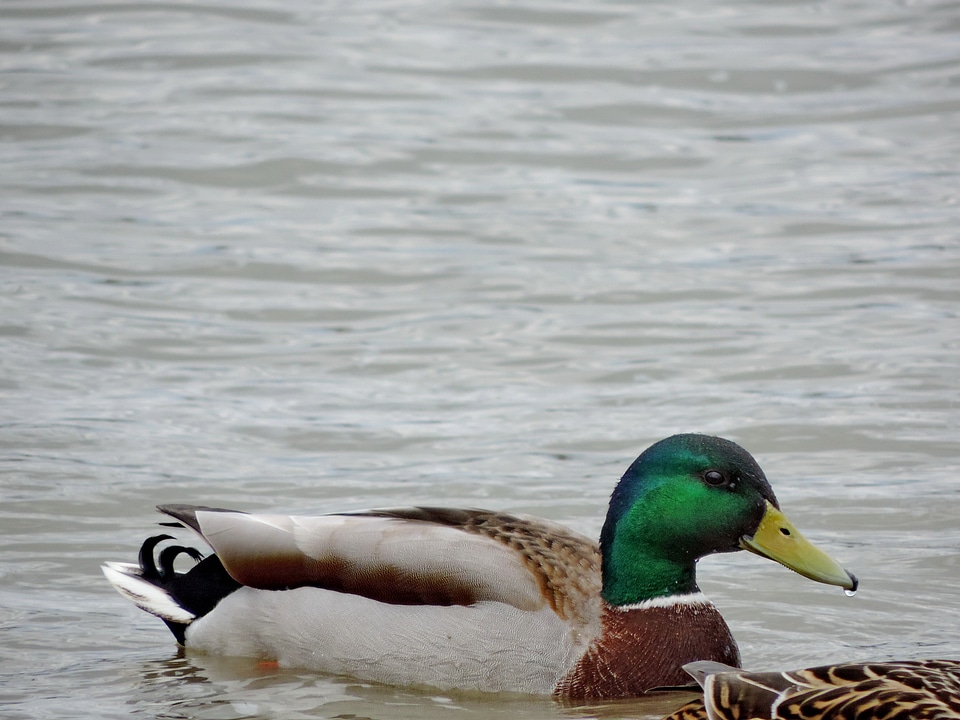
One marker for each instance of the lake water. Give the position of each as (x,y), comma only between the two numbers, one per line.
(312,256)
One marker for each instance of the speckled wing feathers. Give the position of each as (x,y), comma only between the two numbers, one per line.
(905,690)
(902,690)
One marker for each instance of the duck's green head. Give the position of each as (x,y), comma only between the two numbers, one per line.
(690,496)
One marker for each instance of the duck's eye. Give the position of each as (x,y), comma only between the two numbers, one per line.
(714,477)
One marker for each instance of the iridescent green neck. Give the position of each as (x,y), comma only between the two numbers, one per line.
(630,577)
(648,542)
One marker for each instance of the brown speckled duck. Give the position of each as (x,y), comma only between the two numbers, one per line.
(480,600)
(893,690)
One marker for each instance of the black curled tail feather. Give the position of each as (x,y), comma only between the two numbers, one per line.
(168,555)
(148,566)
(197,590)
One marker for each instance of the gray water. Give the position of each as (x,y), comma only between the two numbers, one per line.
(313,256)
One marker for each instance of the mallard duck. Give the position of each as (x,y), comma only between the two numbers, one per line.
(895,690)
(481,600)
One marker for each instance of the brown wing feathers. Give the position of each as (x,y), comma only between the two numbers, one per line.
(895,690)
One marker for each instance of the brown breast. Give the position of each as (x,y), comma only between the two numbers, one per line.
(646,647)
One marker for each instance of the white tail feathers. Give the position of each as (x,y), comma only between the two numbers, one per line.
(128,580)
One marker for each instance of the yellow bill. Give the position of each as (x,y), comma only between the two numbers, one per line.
(776,538)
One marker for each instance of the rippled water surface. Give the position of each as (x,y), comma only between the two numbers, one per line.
(310,256)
